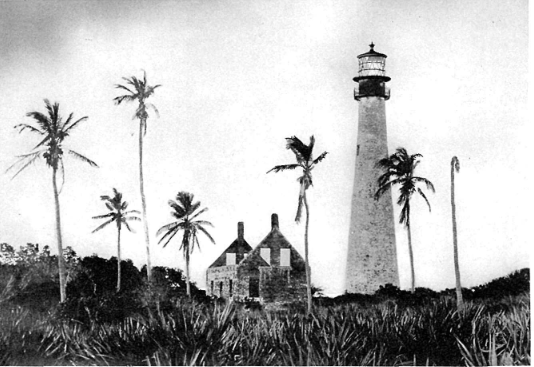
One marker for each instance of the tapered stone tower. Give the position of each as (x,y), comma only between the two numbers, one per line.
(372,254)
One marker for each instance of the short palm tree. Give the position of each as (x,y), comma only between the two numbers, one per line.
(304,156)
(186,211)
(139,90)
(455,166)
(399,171)
(53,131)
(119,214)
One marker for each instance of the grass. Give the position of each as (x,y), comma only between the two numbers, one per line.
(387,333)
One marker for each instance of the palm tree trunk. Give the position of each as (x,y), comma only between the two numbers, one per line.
(143,200)
(60,258)
(118,257)
(308,275)
(459,298)
(410,249)
(188,285)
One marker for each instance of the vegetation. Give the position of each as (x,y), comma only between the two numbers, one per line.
(304,156)
(455,166)
(53,131)
(120,216)
(184,210)
(393,327)
(139,90)
(399,169)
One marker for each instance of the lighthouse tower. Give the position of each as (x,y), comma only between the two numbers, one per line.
(372,254)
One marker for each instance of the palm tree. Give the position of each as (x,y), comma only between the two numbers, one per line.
(119,215)
(304,156)
(184,210)
(139,90)
(53,131)
(399,170)
(455,166)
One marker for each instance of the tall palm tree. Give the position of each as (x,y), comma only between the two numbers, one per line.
(184,210)
(455,166)
(118,214)
(399,170)
(53,131)
(304,156)
(139,90)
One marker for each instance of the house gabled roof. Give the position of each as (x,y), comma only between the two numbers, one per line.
(275,241)
(240,247)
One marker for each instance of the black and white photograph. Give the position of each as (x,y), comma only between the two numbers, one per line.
(265,183)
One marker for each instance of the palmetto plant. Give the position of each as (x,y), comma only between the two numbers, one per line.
(139,90)
(53,131)
(304,156)
(455,166)
(119,214)
(399,170)
(186,211)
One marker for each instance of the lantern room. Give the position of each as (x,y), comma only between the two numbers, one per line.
(371,77)
(372,64)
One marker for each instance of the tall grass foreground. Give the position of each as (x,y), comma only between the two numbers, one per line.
(201,334)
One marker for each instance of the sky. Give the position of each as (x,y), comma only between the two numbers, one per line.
(237,78)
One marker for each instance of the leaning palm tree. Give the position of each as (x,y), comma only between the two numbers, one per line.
(399,170)
(53,131)
(184,210)
(119,215)
(304,156)
(455,166)
(139,90)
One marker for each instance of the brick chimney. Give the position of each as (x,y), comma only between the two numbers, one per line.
(240,231)
(274,221)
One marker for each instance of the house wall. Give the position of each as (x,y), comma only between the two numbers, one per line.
(221,274)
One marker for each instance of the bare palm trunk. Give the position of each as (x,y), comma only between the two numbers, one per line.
(188,285)
(60,258)
(459,298)
(118,258)
(143,201)
(308,275)
(412,268)
(410,249)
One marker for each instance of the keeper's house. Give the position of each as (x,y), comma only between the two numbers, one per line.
(271,272)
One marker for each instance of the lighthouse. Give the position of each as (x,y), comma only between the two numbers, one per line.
(372,254)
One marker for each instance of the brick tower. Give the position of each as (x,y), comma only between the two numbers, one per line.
(372,254)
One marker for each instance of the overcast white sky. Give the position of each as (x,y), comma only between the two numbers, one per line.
(240,76)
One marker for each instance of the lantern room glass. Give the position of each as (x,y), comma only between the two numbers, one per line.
(372,65)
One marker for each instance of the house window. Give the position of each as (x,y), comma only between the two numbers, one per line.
(265,253)
(220,289)
(230,258)
(285,257)
(212,287)
(230,286)
(254,287)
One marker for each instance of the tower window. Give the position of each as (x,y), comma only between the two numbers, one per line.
(358,149)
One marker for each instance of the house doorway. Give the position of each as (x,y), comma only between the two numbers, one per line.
(254,287)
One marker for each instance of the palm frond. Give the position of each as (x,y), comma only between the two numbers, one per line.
(128,226)
(424,197)
(301,150)
(198,213)
(172,234)
(428,184)
(29,158)
(405,214)
(320,158)
(104,216)
(153,107)
(102,225)
(203,230)
(119,86)
(128,98)
(132,217)
(23,127)
(385,187)
(166,227)
(284,167)
(83,158)
(74,124)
